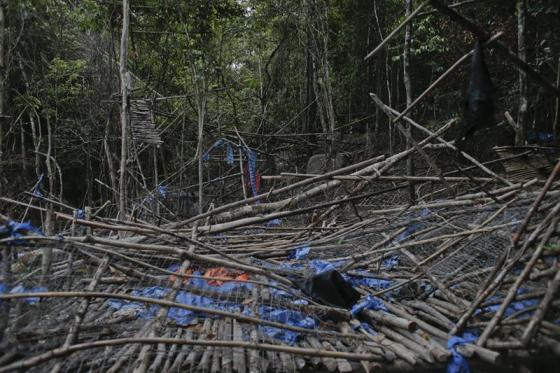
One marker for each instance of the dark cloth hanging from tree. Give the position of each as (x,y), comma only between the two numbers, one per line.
(479,103)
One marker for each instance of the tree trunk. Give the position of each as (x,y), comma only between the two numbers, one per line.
(110,166)
(556,124)
(317,30)
(49,220)
(5,253)
(201,108)
(2,88)
(408,89)
(522,53)
(124,111)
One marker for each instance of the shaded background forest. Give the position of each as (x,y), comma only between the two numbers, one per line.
(288,77)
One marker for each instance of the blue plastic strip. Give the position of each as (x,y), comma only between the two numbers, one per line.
(369,303)
(458,363)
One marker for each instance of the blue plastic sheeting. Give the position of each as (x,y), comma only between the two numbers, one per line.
(458,363)
(299,253)
(218,144)
(37,188)
(375,283)
(226,287)
(275,292)
(365,327)
(407,232)
(250,155)
(15,230)
(273,223)
(185,317)
(80,214)
(162,190)
(540,136)
(229,154)
(252,167)
(322,265)
(288,317)
(179,315)
(21,289)
(391,262)
(512,308)
(319,266)
(201,283)
(369,303)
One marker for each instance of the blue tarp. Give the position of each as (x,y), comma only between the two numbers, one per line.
(273,223)
(250,155)
(21,289)
(179,315)
(185,317)
(540,136)
(512,308)
(14,229)
(393,261)
(365,327)
(369,303)
(284,316)
(370,282)
(458,364)
(319,266)
(299,253)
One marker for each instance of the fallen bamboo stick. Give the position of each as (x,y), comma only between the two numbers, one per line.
(285,175)
(62,352)
(239,317)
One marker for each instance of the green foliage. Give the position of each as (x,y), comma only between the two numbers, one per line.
(255,57)
(64,82)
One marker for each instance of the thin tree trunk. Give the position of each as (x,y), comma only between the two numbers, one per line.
(557,111)
(36,144)
(201,98)
(49,220)
(408,89)
(110,166)
(522,53)
(124,111)
(23,148)
(317,29)
(156,180)
(5,253)
(2,87)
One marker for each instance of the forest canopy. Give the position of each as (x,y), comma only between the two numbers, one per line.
(251,69)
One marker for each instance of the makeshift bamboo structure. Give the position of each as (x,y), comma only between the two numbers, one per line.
(470,271)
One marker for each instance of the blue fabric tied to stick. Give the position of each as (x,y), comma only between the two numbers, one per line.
(37,188)
(250,155)
(458,363)
(252,167)
(218,144)
(162,190)
(14,229)
(80,214)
